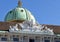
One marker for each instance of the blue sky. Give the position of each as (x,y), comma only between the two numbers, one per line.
(45,11)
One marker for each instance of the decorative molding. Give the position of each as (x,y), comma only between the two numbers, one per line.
(29,27)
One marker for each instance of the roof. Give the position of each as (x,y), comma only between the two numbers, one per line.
(56,29)
(19,13)
(5,26)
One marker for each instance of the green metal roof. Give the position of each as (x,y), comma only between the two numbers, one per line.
(19,14)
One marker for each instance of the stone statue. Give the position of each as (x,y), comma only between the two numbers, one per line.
(13,28)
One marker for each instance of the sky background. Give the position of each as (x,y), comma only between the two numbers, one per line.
(45,11)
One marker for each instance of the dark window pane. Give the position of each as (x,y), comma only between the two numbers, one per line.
(15,39)
(21,10)
(31,40)
(10,11)
(3,39)
(47,40)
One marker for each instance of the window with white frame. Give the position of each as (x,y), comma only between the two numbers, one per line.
(16,39)
(3,39)
(46,39)
(31,40)
(56,40)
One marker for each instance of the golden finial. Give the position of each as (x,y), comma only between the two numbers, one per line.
(19,3)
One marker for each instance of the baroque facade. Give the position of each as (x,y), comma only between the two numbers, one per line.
(21,26)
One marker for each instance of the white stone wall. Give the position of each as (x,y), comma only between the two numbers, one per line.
(26,37)
(37,40)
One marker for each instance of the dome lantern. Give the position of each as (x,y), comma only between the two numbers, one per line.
(19,3)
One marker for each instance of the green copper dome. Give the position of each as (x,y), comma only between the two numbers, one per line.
(19,14)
